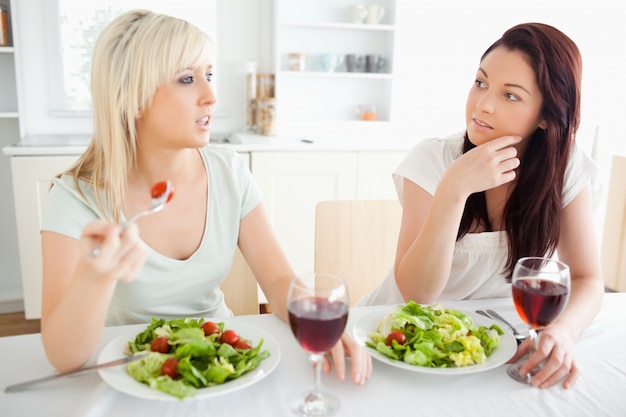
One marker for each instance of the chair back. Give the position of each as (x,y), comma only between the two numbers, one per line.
(357,240)
(240,288)
(613,254)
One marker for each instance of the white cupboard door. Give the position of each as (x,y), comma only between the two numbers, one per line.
(374,181)
(292,184)
(31,181)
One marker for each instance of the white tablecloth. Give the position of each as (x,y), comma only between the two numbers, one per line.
(600,391)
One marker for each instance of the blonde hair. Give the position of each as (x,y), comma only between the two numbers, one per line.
(135,54)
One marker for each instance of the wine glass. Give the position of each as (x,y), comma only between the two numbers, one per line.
(540,289)
(318,311)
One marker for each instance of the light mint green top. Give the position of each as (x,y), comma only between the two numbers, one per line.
(166,287)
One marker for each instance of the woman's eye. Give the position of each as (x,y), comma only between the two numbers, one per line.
(187,80)
(511,97)
(479,84)
(209,76)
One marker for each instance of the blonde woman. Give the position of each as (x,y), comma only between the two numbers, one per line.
(153,104)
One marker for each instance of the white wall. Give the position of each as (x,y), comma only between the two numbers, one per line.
(438,46)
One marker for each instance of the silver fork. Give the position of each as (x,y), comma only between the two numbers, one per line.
(156,205)
(494,315)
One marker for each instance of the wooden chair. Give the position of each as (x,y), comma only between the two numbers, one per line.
(240,288)
(357,240)
(613,253)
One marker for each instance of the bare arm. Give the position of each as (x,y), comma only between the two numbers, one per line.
(430,223)
(77,288)
(260,247)
(577,248)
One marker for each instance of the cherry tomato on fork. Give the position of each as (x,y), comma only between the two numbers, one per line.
(159,188)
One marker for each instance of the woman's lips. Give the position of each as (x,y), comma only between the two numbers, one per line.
(481,124)
(204,122)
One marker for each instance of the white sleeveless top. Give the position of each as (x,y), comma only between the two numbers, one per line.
(479,258)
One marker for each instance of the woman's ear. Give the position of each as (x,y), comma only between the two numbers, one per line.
(542,124)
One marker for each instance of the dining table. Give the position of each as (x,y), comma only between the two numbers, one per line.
(599,391)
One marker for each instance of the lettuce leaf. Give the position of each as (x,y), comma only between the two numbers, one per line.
(436,337)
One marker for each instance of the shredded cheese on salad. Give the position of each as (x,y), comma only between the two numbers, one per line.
(433,336)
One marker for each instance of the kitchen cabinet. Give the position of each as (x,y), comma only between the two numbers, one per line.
(374,180)
(31,180)
(8,73)
(313,95)
(294,182)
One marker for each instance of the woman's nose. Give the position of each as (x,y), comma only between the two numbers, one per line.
(208,95)
(486,103)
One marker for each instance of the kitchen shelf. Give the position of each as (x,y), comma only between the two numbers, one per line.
(335,25)
(338,74)
(6,50)
(329,98)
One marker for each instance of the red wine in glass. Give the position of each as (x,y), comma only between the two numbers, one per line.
(540,290)
(317,323)
(318,306)
(539,302)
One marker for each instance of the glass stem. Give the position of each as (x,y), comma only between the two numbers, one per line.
(316,360)
(534,345)
(534,340)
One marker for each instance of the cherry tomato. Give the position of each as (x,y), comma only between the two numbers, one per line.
(229,336)
(396,335)
(170,367)
(159,188)
(210,328)
(160,345)
(243,344)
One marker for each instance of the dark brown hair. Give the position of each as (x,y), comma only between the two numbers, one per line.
(532,214)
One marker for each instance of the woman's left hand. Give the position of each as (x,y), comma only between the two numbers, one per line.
(556,348)
(361,361)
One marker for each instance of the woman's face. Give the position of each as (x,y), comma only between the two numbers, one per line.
(505,98)
(181,111)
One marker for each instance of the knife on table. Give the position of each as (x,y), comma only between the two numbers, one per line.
(25,385)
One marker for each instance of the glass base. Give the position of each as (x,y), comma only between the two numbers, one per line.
(513,371)
(314,404)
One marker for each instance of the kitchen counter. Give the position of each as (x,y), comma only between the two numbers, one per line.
(241,142)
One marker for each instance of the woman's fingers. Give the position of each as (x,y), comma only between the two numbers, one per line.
(360,360)
(120,256)
(555,360)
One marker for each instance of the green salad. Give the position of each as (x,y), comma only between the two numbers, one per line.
(433,336)
(187,354)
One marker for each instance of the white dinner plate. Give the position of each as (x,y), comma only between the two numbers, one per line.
(508,345)
(118,378)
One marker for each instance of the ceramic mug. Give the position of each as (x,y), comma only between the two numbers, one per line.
(330,62)
(374,63)
(358,13)
(355,63)
(375,14)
